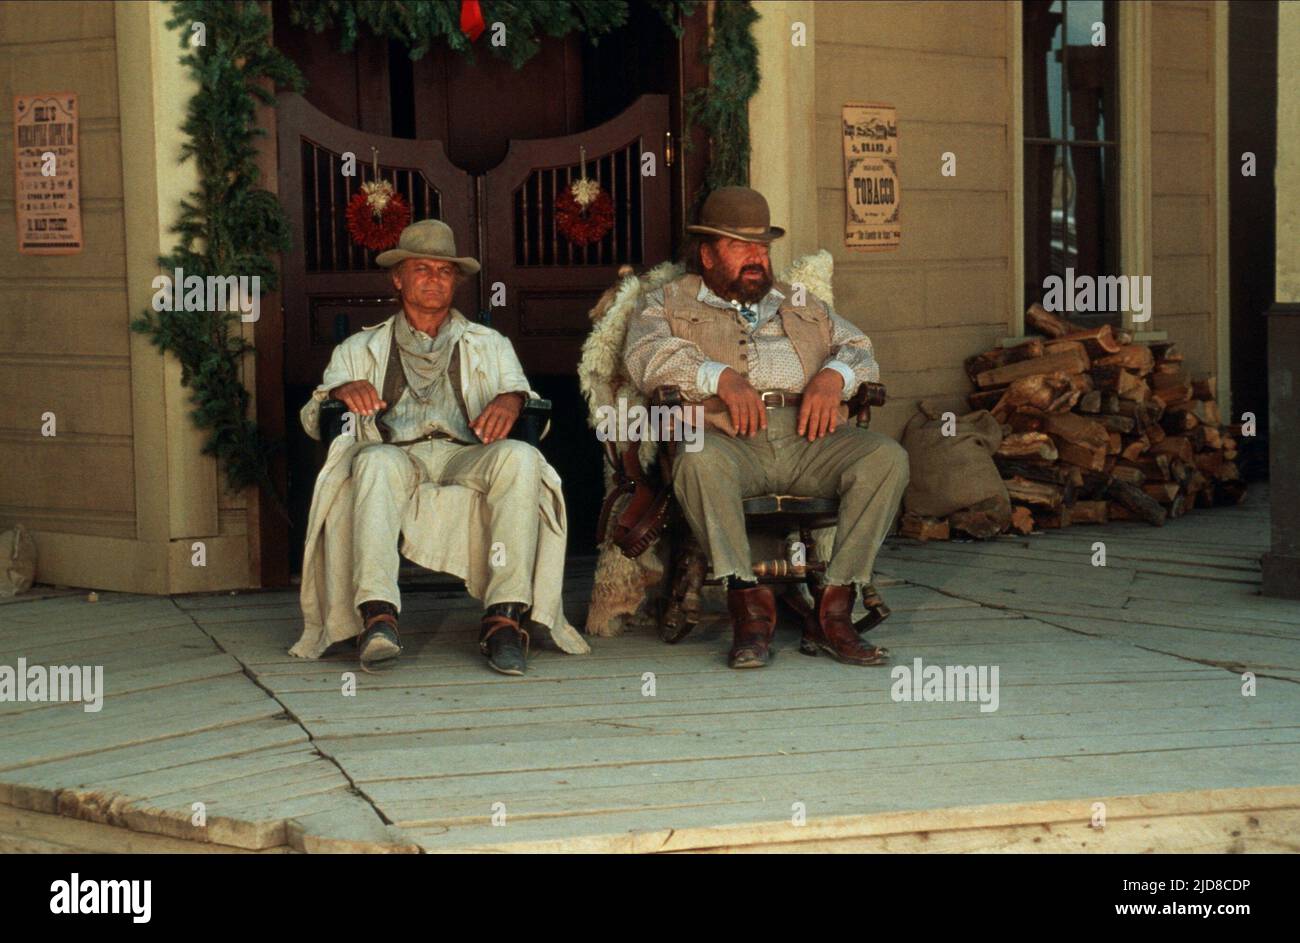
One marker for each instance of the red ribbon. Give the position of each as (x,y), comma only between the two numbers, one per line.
(471,19)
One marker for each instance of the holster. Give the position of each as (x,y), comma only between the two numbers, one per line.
(645,515)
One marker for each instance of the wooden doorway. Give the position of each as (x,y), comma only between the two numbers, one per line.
(499,207)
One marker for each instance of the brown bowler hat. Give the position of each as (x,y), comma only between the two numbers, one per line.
(739,213)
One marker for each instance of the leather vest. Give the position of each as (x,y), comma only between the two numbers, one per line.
(721,335)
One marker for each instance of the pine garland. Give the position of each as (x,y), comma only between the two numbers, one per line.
(228,226)
(421,23)
(722,108)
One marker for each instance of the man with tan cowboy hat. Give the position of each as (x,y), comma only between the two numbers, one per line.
(773,368)
(432,397)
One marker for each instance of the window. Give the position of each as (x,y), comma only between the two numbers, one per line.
(1071,153)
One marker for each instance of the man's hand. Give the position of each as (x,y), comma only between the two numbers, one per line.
(498,417)
(748,415)
(819,410)
(359,396)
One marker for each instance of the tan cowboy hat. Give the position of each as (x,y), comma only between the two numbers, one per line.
(737,212)
(427,239)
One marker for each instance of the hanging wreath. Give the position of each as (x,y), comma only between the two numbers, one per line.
(584,212)
(377,214)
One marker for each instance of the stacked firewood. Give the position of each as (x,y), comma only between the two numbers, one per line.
(1097,428)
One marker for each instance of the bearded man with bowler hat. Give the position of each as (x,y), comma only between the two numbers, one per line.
(433,397)
(776,367)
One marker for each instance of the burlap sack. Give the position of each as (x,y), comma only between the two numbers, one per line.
(953,472)
(17,561)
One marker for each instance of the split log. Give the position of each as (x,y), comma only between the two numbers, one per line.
(1118,512)
(1128,474)
(977,523)
(1143,506)
(1153,467)
(1091,457)
(1115,379)
(1049,323)
(1175,446)
(1035,493)
(1090,402)
(1135,448)
(1067,362)
(1046,472)
(1001,356)
(1088,512)
(1134,357)
(1049,392)
(923,528)
(1075,428)
(1207,411)
(1209,463)
(1163,491)
(1179,419)
(1022,519)
(1028,445)
(1205,438)
(1025,420)
(1064,346)
(1204,389)
(1099,341)
(1121,424)
(1115,445)
(1173,395)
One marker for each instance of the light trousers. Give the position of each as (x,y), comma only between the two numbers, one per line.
(865,470)
(384,478)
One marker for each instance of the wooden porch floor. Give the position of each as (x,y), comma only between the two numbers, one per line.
(1118,685)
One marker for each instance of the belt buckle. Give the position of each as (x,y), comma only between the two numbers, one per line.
(777,393)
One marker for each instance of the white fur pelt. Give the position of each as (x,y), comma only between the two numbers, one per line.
(621,585)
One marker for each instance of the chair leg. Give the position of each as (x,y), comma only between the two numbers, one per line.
(877,611)
(681,606)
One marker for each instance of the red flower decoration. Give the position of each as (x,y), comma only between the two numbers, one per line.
(583,225)
(377,228)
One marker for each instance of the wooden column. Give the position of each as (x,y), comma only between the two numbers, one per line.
(1281,564)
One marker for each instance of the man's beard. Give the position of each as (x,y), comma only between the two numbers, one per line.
(742,290)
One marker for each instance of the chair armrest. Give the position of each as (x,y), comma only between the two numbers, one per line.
(867,395)
(666,396)
(532,420)
(332,412)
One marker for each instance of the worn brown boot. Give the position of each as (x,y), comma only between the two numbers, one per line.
(834,633)
(378,640)
(753,622)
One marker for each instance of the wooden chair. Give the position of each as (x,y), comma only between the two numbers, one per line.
(779,514)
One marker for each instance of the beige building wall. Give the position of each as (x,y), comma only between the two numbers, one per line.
(118,497)
(1183,205)
(944,294)
(952,69)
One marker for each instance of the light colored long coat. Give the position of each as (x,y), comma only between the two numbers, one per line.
(488,366)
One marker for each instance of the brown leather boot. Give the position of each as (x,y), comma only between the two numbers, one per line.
(753,623)
(835,634)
